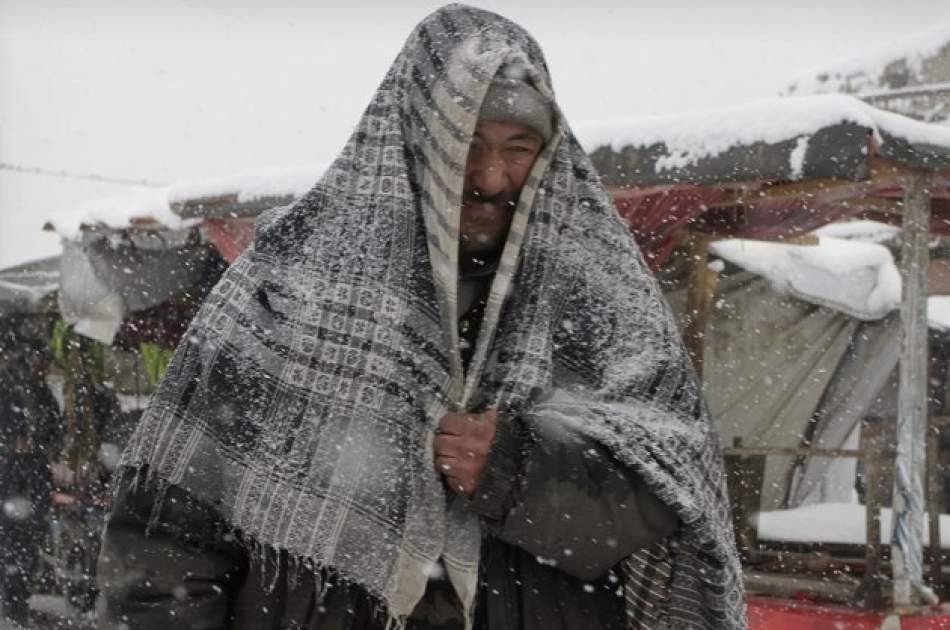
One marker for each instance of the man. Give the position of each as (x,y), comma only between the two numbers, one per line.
(440,391)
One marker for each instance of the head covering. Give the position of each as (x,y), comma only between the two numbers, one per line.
(304,398)
(514,100)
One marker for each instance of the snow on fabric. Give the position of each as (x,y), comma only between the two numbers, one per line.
(863,73)
(832,523)
(689,138)
(859,279)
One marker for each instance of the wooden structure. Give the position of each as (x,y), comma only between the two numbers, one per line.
(857,163)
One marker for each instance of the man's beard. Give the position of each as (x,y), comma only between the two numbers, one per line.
(489,245)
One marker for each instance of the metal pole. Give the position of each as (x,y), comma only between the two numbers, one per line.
(907,543)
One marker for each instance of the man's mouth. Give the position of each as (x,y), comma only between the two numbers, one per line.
(502,200)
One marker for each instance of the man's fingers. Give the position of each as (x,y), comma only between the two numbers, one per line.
(446,465)
(447,445)
(456,423)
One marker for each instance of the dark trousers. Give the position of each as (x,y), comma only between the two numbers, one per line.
(19,544)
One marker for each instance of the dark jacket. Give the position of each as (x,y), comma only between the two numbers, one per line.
(559,512)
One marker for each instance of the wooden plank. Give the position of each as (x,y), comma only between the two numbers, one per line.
(842,589)
(744,474)
(883,205)
(933,503)
(795,451)
(807,189)
(884,172)
(872,443)
(228,206)
(910,462)
(633,192)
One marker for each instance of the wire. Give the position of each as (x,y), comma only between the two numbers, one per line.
(6,166)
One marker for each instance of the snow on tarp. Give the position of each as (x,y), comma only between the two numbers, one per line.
(157,204)
(859,279)
(842,523)
(865,72)
(861,230)
(776,139)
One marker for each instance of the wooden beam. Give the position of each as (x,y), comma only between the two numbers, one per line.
(793,451)
(841,589)
(807,189)
(702,287)
(884,172)
(630,192)
(744,475)
(907,552)
(934,504)
(229,206)
(883,205)
(872,443)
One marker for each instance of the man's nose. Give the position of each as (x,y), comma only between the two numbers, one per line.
(489,177)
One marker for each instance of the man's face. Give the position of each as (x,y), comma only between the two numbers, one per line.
(499,159)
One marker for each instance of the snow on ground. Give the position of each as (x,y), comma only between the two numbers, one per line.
(863,72)
(938,312)
(691,137)
(156,204)
(833,523)
(853,277)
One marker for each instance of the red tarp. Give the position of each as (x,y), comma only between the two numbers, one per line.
(654,215)
(772,613)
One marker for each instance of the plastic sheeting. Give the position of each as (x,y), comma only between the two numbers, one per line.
(105,276)
(25,288)
(777,368)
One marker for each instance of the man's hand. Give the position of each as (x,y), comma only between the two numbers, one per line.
(461,448)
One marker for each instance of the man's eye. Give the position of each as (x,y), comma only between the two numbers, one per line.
(520,150)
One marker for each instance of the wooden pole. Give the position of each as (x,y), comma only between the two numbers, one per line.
(907,549)
(702,288)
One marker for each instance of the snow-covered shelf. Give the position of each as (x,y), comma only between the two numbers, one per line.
(840,523)
(854,277)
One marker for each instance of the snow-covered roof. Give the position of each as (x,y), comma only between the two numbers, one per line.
(856,278)
(244,188)
(865,72)
(174,207)
(775,139)
(118,212)
(24,287)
